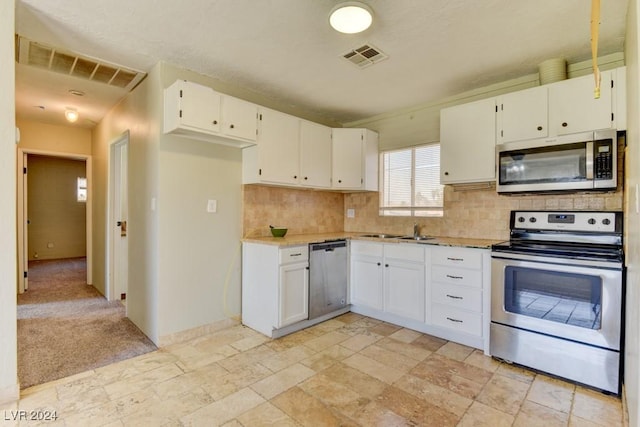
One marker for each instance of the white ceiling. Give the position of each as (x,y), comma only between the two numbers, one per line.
(285,49)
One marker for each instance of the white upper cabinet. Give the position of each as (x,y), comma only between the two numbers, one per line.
(278,147)
(198,112)
(355,159)
(523,115)
(467,142)
(239,118)
(574,108)
(564,107)
(290,152)
(315,155)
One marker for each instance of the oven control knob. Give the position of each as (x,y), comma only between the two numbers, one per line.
(606,221)
(532,219)
(591,221)
(520,219)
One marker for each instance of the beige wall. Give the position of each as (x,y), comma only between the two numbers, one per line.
(57,220)
(632,217)
(9,387)
(421,124)
(72,140)
(300,211)
(136,117)
(198,253)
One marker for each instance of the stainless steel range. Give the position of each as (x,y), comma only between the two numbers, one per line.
(557,295)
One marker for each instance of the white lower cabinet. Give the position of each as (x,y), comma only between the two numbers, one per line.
(293,293)
(388,277)
(275,286)
(438,290)
(459,294)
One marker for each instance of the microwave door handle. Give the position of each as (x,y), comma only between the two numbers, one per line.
(589,160)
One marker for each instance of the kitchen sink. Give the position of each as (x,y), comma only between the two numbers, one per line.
(416,238)
(382,236)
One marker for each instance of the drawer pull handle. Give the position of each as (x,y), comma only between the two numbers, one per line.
(454,320)
(454,296)
(454,277)
(298,254)
(455,259)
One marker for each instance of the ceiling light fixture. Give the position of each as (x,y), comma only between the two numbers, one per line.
(351,17)
(71,114)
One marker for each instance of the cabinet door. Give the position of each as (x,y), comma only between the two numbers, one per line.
(523,115)
(366,282)
(200,107)
(315,155)
(278,147)
(573,107)
(347,158)
(294,294)
(467,142)
(404,289)
(239,118)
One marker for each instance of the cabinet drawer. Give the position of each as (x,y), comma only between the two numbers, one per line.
(467,258)
(457,296)
(457,276)
(294,254)
(366,248)
(408,252)
(459,320)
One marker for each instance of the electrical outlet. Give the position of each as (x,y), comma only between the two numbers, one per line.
(212,206)
(351,213)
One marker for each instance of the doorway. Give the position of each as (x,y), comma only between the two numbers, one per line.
(117,284)
(49,247)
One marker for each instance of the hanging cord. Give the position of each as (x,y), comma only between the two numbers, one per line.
(595,28)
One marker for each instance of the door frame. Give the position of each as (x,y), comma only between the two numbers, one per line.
(123,139)
(23,244)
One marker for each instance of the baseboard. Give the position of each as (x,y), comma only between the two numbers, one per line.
(10,394)
(199,331)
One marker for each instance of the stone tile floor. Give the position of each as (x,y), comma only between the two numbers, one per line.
(348,371)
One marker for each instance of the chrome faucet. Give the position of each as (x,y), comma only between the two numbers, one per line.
(416,229)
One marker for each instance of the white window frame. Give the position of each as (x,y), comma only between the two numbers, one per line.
(412,210)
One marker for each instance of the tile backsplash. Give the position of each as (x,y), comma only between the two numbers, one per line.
(301,211)
(478,213)
(474,212)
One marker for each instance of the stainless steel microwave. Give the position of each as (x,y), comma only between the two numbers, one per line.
(581,161)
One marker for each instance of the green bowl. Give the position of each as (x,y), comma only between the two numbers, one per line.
(278,231)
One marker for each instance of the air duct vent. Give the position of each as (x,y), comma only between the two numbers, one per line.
(64,62)
(365,56)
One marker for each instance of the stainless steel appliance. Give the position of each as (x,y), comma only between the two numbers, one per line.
(557,295)
(328,277)
(582,161)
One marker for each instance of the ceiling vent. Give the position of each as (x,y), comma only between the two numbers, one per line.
(365,56)
(60,61)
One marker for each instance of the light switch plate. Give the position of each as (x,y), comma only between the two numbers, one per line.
(351,213)
(212,206)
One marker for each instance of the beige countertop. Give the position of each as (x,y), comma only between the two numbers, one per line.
(303,239)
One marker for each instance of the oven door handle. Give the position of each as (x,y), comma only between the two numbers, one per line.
(608,265)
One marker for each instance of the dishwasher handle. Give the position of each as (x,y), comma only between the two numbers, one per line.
(328,246)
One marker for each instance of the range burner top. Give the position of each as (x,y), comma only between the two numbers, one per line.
(580,235)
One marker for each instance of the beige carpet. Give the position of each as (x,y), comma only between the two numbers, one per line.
(66,326)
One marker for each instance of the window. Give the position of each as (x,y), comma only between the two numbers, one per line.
(81,190)
(411,182)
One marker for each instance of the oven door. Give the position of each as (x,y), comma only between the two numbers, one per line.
(578,303)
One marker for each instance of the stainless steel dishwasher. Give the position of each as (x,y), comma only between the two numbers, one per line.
(328,278)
